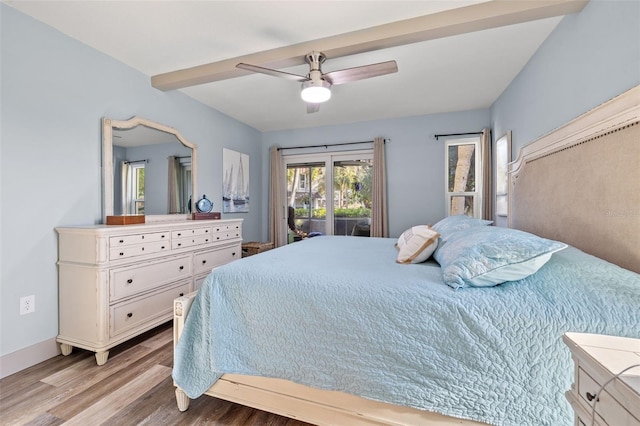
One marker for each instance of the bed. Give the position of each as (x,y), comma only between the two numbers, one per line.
(349,336)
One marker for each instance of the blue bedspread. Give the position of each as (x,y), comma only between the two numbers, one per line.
(339,313)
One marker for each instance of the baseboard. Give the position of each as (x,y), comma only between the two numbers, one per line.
(27,357)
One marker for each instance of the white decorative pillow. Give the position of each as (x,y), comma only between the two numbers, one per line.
(416,244)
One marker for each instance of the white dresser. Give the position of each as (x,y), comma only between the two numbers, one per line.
(596,396)
(116,282)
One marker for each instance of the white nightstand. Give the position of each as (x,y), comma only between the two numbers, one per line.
(598,358)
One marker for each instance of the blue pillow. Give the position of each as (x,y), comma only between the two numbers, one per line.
(458,222)
(451,224)
(485,256)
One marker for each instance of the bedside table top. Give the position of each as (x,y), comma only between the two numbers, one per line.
(612,352)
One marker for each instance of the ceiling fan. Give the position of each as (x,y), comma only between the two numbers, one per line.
(316,86)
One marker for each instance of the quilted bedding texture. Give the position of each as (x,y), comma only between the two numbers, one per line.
(339,313)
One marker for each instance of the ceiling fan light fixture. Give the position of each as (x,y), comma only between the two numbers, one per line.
(316,92)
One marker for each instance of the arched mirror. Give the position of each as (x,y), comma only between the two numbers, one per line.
(148,168)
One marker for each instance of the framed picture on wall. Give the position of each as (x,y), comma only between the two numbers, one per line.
(235,181)
(503,158)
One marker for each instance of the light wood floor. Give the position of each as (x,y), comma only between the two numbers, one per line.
(134,387)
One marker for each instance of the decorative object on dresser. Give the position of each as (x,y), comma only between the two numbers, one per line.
(206,216)
(254,247)
(204,207)
(116,282)
(128,219)
(606,389)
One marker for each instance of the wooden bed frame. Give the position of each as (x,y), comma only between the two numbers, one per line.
(323,407)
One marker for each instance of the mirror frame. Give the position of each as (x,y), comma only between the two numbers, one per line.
(107,164)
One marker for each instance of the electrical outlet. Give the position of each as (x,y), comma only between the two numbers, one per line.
(27,304)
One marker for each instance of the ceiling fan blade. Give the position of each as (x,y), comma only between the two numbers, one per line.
(269,71)
(360,73)
(311,108)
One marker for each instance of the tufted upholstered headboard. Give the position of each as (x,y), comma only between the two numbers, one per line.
(580,184)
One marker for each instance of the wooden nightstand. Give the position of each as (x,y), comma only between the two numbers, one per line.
(598,358)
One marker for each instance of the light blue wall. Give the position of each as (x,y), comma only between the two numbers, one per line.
(55,91)
(589,58)
(415,160)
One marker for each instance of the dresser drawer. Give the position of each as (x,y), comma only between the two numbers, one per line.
(129,240)
(183,233)
(126,252)
(129,315)
(205,261)
(191,242)
(225,227)
(126,282)
(226,235)
(611,411)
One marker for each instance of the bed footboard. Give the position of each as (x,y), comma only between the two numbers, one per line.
(181,307)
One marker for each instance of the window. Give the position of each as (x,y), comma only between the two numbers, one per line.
(463,177)
(137,188)
(503,157)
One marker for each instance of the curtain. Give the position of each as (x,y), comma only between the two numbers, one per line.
(487,175)
(379,213)
(126,195)
(277,208)
(173,204)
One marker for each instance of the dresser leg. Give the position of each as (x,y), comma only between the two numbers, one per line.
(101,357)
(182,399)
(66,349)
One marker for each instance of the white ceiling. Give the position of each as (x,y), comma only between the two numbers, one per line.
(455,73)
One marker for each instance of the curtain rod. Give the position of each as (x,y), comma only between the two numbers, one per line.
(327,145)
(458,134)
(136,161)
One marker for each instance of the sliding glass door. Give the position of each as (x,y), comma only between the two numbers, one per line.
(329,194)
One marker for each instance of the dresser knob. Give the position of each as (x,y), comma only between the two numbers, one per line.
(590,396)
(121,254)
(233,254)
(181,267)
(129,315)
(204,261)
(179,234)
(121,241)
(162,248)
(181,294)
(129,281)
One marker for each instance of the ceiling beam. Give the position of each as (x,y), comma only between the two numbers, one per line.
(481,16)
